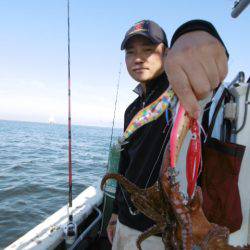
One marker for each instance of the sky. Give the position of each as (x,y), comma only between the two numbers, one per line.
(33,59)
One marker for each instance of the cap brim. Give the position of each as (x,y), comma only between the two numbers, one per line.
(125,40)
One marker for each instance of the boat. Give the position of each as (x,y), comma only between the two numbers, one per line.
(52,120)
(92,208)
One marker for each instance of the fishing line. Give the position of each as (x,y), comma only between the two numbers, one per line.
(162,147)
(169,126)
(116,98)
(111,140)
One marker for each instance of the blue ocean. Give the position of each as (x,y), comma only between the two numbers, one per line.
(34,170)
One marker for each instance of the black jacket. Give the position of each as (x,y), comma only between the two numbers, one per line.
(141,158)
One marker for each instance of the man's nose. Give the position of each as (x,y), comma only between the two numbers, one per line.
(139,58)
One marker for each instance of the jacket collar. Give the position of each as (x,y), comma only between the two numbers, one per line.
(160,82)
(138,90)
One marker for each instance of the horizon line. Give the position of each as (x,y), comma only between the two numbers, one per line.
(61,124)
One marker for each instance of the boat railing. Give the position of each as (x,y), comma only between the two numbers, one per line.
(88,229)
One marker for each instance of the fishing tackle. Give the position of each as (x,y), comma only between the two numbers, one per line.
(182,124)
(70,232)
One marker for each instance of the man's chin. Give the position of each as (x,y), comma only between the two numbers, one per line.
(142,79)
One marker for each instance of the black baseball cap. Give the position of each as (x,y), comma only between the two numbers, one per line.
(146,28)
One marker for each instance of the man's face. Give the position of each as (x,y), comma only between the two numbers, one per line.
(144,59)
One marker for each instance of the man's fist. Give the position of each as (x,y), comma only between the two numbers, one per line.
(195,65)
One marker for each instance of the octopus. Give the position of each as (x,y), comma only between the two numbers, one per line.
(181,222)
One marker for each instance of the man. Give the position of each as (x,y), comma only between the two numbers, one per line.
(194,65)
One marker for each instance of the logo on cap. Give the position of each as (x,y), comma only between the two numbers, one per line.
(141,26)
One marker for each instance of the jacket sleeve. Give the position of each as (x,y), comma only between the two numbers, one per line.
(123,163)
(195,25)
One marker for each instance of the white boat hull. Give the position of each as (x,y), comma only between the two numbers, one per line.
(49,233)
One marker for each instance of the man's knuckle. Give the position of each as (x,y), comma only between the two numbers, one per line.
(187,51)
(204,48)
(202,90)
(213,44)
(203,94)
(178,55)
(214,80)
(215,84)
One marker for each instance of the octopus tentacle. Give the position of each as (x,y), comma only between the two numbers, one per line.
(151,203)
(169,237)
(182,214)
(151,231)
(216,234)
(130,187)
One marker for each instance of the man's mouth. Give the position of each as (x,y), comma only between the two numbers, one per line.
(139,70)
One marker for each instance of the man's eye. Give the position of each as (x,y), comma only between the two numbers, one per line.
(148,50)
(129,52)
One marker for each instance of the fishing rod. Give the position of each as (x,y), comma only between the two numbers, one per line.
(69,114)
(239,6)
(70,230)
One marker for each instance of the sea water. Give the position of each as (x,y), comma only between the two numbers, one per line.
(34,170)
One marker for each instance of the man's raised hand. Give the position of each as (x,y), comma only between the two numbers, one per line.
(195,65)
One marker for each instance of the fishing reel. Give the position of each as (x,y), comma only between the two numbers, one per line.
(70,232)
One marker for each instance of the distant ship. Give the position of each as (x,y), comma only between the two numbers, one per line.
(52,120)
